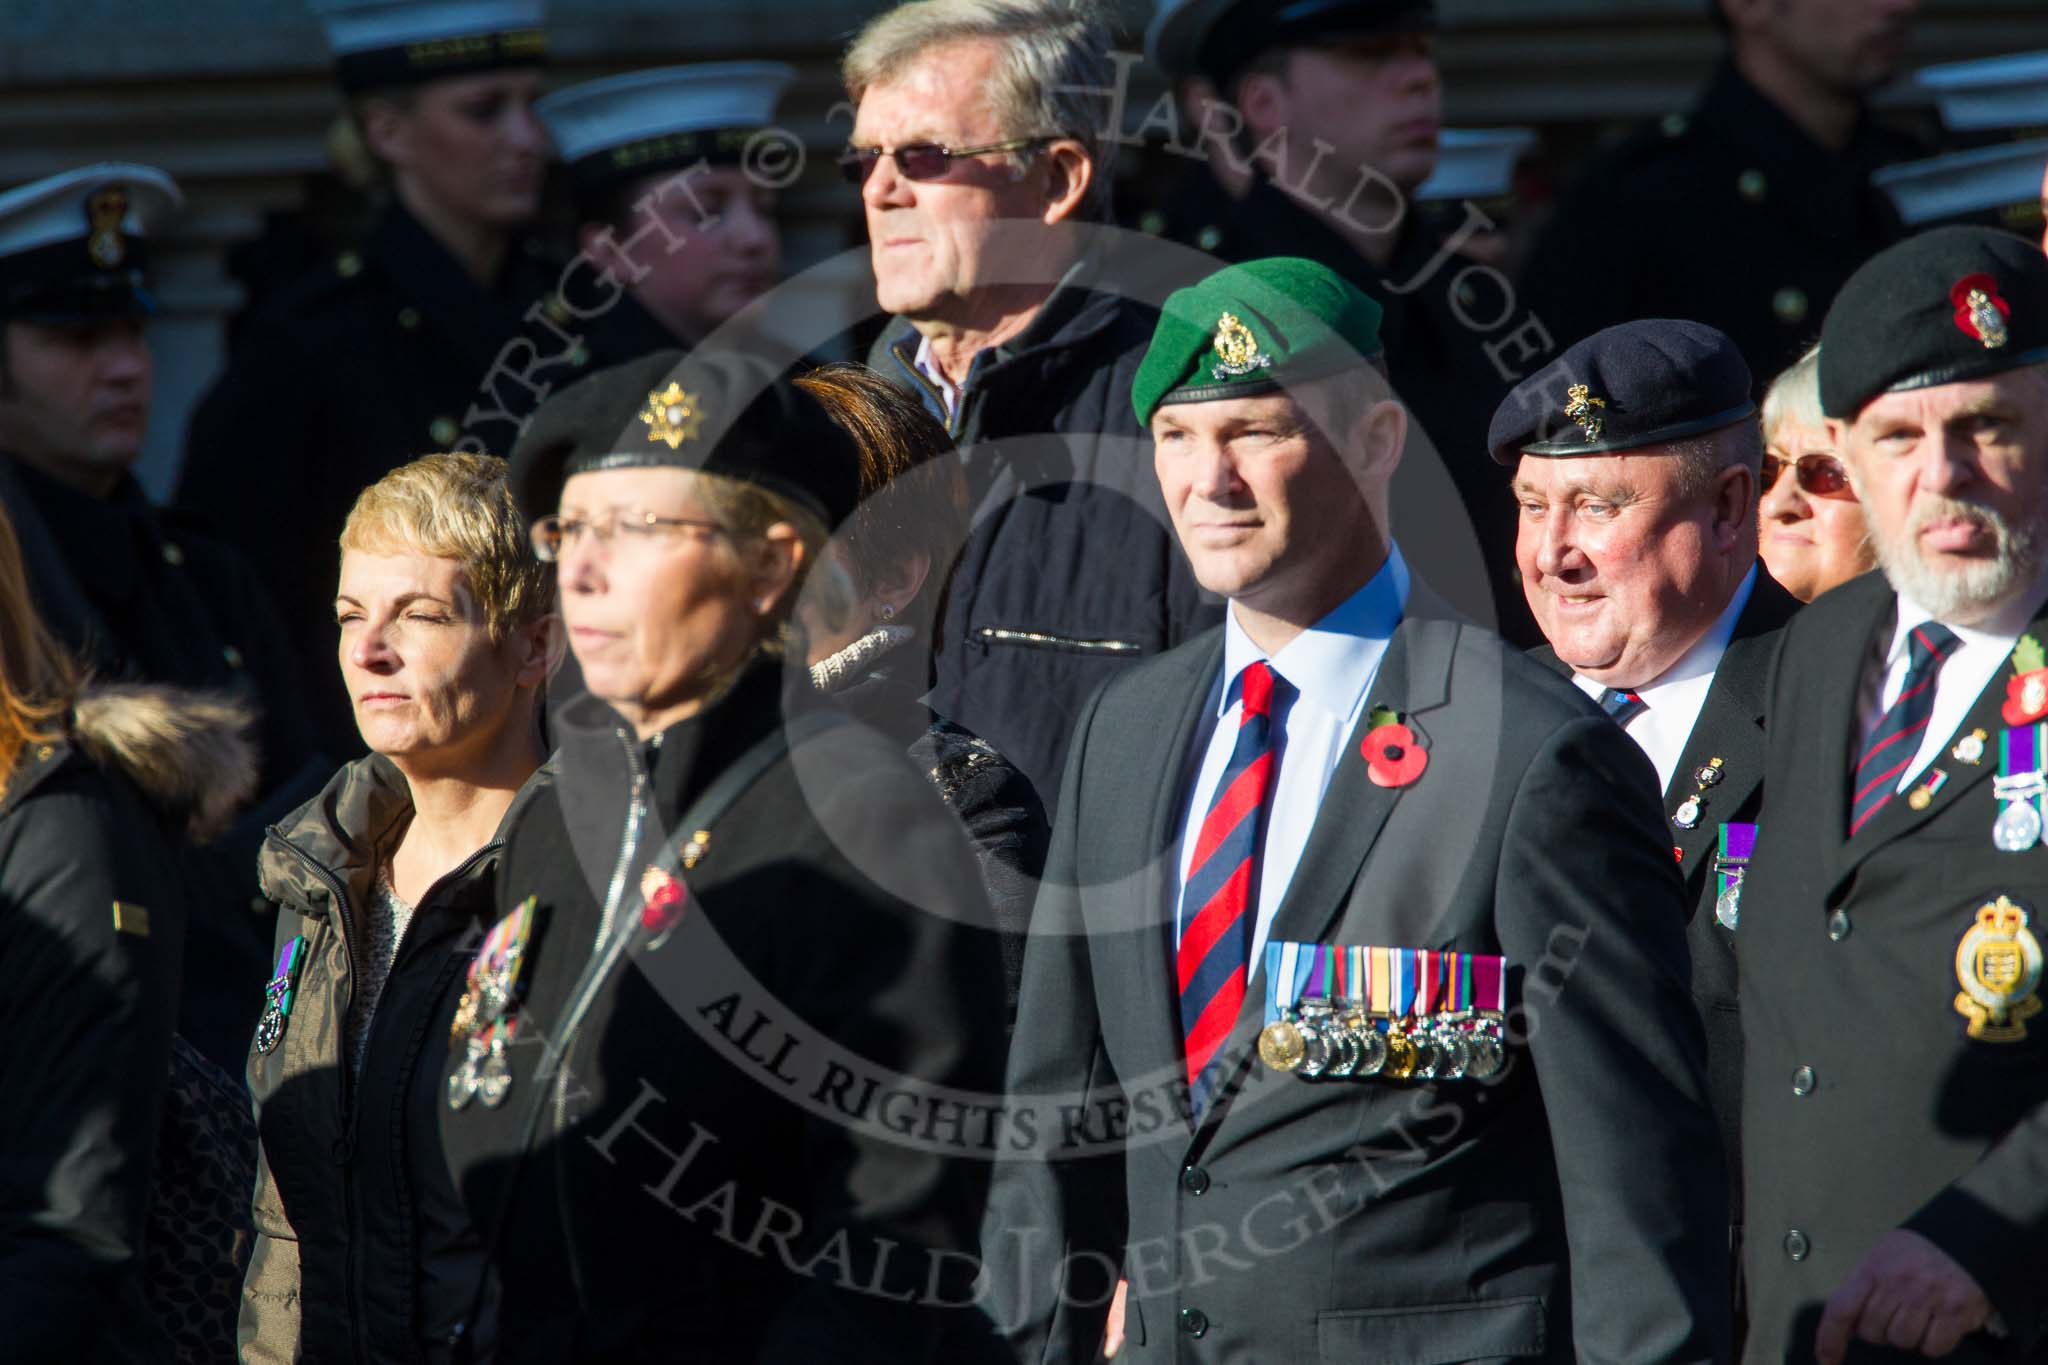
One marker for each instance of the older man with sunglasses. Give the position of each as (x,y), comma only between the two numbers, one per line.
(1636,459)
(975,148)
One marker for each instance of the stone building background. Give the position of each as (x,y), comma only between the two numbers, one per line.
(232,97)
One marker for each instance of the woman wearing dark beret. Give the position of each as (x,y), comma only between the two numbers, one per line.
(719,1061)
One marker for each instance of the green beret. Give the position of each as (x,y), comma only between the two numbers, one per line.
(1254,329)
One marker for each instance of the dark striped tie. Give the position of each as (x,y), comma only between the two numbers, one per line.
(1622,706)
(1218,903)
(1891,746)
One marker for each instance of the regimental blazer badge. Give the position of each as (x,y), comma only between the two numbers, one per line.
(1998,965)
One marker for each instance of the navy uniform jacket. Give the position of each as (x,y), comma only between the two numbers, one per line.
(1573,1207)
(372,361)
(1867,1105)
(1732,216)
(1071,571)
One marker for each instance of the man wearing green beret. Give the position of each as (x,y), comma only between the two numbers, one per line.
(1357,923)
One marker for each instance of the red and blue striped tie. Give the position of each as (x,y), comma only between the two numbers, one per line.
(1891,746)
(1218,903)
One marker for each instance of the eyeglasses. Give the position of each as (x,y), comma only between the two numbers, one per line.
(1820,475)
(920,160)
(554,536)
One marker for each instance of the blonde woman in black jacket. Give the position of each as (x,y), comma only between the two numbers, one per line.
(384,884)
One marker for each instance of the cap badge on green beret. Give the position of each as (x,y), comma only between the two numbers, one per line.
(1579,405)
(1238,348)
(672,415)
(1980,310)
(105,211)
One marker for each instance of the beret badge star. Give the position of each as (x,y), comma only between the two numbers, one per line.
(105,211)
(1981,311)
(1238,349)
(1579,407)
(672,415)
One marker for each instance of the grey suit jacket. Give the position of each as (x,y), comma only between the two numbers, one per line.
(1571,1208)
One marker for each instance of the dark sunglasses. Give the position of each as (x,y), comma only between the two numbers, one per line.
(920,160)
(1820,475)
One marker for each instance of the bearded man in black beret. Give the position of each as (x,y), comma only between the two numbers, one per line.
(1895,1101)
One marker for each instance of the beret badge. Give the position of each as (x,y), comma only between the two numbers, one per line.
(1981,311)
(1238,349)
(672,415)
(105,211)
(1579,406)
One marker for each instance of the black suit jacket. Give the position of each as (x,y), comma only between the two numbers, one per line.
(1571,1207)
(1866,1106)
(1730,727)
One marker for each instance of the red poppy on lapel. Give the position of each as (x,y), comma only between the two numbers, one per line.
(1392,757)
(2026,697)
(664,898)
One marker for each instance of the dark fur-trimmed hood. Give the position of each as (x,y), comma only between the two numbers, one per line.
(189,752)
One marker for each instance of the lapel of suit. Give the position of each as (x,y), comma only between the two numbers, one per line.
(1169,754)
(1898,818)
(1413,680)
(1730,726)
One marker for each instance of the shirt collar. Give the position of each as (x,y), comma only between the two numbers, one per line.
(1705,655)
(1330,663)
(2003,629)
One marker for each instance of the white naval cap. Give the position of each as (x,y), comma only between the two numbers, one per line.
(70,244)
(380,44)
(1998,92)
(622,127)
(2001,182)
(1476,163)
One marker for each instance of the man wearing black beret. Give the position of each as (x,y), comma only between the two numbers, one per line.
(1636,460)
(1895,1097)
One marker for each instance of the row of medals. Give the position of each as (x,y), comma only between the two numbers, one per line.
(1322,1038)
(486,1071)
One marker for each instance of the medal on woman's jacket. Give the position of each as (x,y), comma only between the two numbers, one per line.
(485,1021)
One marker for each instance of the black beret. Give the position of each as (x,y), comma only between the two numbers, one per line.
(1637,384)
(1953,304)
(1219,38)
(721,412)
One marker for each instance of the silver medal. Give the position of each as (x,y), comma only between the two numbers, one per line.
(2018,828)
(1372,1045)
(494,1078)
(1728,905)
(1486,1057)
(270,1028)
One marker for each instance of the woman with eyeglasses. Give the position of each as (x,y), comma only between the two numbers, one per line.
(719,1077)
(1811,532)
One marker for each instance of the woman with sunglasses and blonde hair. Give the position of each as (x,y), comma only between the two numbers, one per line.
(1810,525)
(96,786)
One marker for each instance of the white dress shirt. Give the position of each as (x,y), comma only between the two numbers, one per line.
(1964,675)
(1672,703)
(1331,667)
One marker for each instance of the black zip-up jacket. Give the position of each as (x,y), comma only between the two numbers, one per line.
(363,1252)
(1072,570)
(755,1147)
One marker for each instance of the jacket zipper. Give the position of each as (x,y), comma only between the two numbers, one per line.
(600,960)
(343,1150)
(996,635)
